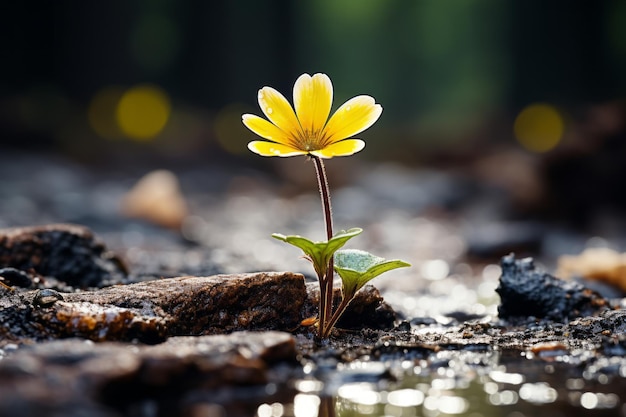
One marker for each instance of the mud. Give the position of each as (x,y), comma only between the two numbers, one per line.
(230,343)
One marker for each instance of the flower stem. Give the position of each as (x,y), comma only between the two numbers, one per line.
(326,282)
(323,185)
(345,301)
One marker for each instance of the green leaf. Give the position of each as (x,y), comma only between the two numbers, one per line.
(320,252)
(356,268)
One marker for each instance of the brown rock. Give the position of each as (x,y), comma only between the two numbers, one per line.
(208,305)
(151,311)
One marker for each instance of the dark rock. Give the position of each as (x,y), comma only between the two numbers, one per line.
(62,376)
(15,277)
(69,253)
(526,292)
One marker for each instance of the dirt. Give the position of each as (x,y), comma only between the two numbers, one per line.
(133,327)
(76,341)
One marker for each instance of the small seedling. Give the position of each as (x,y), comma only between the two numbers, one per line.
(309,131)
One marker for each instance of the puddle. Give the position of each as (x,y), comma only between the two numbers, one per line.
(457,384)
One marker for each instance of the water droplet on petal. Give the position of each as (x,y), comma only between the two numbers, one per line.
(348,108)
(269,110)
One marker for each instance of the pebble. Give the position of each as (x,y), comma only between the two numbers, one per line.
(157,198)
(46,298)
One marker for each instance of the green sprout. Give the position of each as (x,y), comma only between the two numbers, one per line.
(356,268)
(309,131)
(320,254)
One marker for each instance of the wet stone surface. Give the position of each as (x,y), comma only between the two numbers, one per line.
(81,376)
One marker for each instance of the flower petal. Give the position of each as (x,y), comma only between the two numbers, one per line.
(264,148)
(276,107)
(354,116)
(264,128)
(341,148)
(313,98)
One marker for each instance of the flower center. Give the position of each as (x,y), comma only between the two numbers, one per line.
(309,141)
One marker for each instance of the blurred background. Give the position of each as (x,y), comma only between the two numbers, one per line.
(525,95)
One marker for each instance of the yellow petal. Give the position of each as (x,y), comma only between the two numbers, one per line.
(264,128)
(264,148)
(279,111)
(313,98)
(354,116)
(341,148)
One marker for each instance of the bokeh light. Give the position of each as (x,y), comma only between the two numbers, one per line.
(539,127)
(143,112)
(538,393)
(306,405)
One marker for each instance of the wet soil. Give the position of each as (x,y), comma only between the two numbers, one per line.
(116,317)
(49,334)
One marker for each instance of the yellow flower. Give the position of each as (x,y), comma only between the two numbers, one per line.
(308,130)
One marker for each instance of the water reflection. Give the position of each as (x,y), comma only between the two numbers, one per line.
(476,384)
(548,378)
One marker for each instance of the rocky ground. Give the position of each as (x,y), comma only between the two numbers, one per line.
(173,314)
